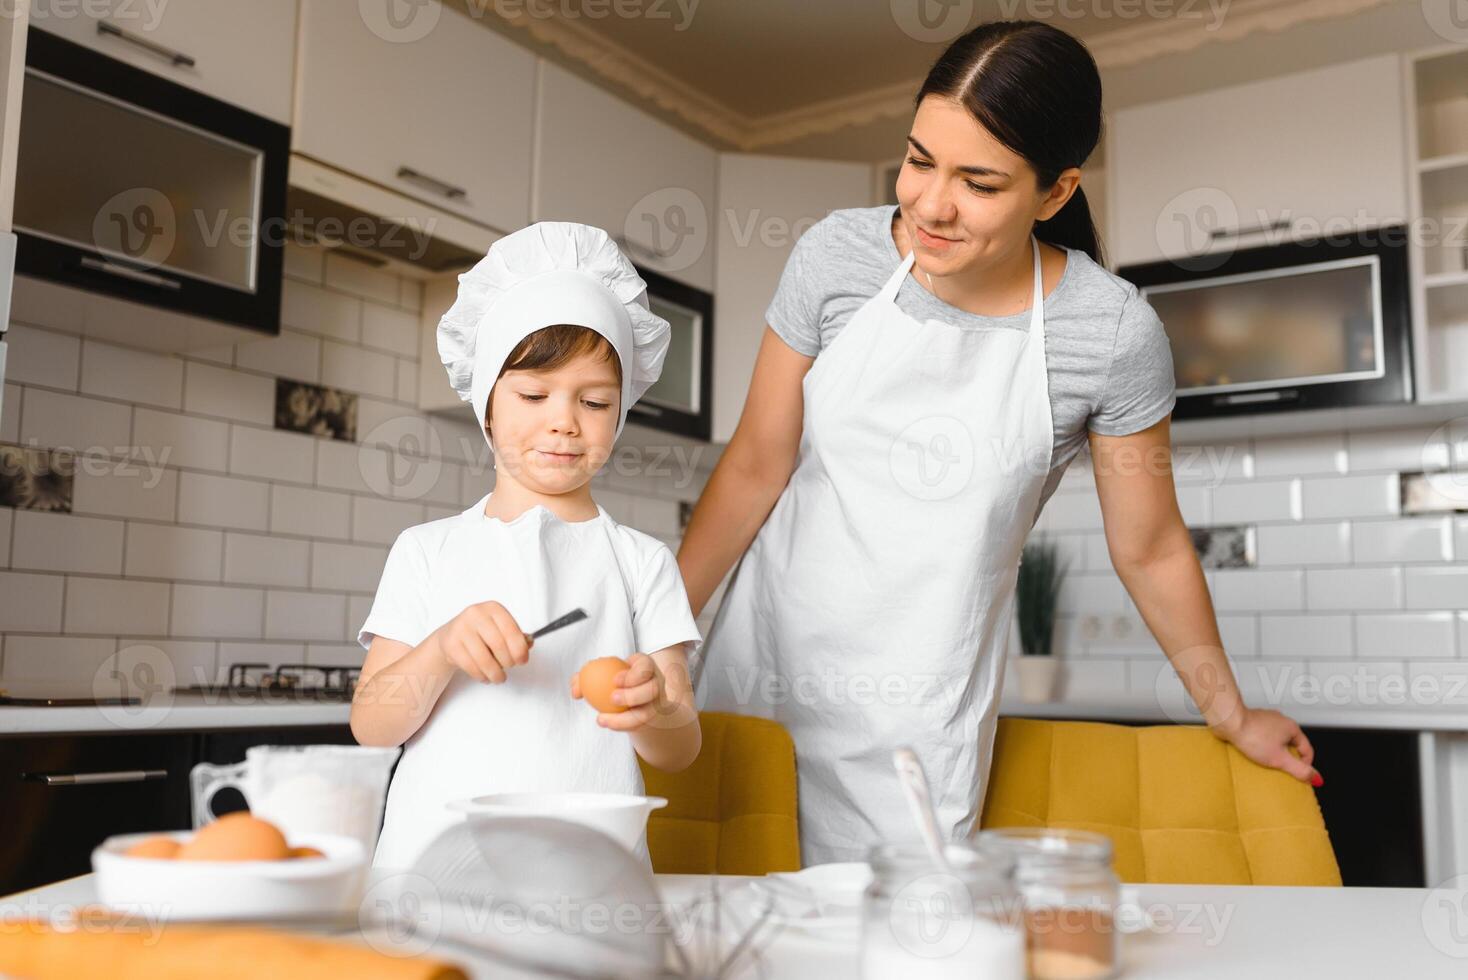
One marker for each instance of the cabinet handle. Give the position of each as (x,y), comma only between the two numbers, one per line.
(177,58)
(127,272)
(1278,224)
(95,778)
(443,187)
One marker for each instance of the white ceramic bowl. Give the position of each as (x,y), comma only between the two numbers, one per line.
(173,889)
(622,817)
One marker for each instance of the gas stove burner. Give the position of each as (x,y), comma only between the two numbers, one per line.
(288,682)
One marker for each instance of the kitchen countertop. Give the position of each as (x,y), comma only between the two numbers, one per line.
(193,713)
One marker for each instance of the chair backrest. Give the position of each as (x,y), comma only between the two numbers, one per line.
(732,811)
(1179,804)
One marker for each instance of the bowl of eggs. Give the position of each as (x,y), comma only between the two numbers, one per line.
(621,816)
(239,866)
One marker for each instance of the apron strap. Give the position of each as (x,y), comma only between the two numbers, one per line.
(1037,303)
(889,291)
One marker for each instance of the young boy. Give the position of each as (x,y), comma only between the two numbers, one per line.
(551,341)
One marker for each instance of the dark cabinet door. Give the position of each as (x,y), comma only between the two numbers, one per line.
(63,795)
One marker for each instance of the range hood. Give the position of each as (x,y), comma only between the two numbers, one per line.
(380,227)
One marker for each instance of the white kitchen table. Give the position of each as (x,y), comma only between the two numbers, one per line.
(1203,932)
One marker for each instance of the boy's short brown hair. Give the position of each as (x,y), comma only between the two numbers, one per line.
(551,347)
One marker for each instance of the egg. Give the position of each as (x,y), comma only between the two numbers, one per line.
(154,847)
(599,680)
(236,837)
(306,852)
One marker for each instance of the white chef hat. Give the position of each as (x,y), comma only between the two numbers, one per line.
(545,274)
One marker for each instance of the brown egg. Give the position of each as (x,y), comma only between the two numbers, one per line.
(154,847)
(236,837)
(306,852)
(599,680)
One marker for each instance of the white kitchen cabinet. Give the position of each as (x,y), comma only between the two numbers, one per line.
(241,53)
(765,204)
(1321,150)
(603,161)
(435,106)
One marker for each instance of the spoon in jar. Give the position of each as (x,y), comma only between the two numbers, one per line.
(920,802)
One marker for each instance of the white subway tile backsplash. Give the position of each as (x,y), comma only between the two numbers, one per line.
(255,559)
(66,543)
(1352,496)
(128,488)
(229,394)
(1405,635)
(655,516)
(310,513)
(1403,540)
(1266,500)
(1196,505)
(380,521)
(1361,683)
(1304,544)
(335,654)
(290,354)
(52,420)
(57,660)
(1212,464)
(1353,588)
(1250,589)
(272,454)
(407,389)
(391,426)
(1088,678)
(320,311)
(1078,511)
(305,616)
(1460,533)
(304,262)
(42,357)
(172,552)
(410,294)
(223,501)
(31,603)
(1438,683)
(358,369)
(358,606)
(1297,455)
(346,567)
(1440,587)
(1394,450)
(174,662)
(115,606)
(1273,683)
(1087,592)
(7,519)
(170,439)
(1240,634)
(390,329)
(351,276)
(459,438)
(1296,636)
(217,611)
(348,466)
(258,652)
(132,375)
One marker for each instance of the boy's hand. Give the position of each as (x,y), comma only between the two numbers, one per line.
(484,641)
(641,688)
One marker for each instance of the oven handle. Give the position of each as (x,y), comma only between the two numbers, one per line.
(95,778)
(1278,224)
(178,58)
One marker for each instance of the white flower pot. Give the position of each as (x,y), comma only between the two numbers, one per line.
(1037,677)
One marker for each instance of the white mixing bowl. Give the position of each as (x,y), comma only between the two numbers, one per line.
(620,816)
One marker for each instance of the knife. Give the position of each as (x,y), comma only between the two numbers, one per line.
(574,616)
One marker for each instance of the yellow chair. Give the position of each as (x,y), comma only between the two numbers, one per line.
(733,810)
(1180,805)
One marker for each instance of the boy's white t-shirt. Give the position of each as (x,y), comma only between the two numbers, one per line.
(527,734)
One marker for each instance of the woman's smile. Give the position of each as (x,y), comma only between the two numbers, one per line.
(936,242)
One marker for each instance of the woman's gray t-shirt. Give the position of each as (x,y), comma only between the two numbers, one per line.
(1106,355)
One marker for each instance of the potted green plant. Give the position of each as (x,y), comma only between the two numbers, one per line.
(1037,597)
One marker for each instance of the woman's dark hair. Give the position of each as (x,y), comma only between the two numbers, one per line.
(1037,90)
(551,347)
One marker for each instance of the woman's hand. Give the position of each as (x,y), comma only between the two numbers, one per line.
(641,688)
(484,641)
(1266,736)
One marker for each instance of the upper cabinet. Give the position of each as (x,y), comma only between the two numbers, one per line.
(236,52)
(1310,153)
(432,105)
(602,161)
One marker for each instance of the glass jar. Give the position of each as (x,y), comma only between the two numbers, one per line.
(922,923)
(1070,895)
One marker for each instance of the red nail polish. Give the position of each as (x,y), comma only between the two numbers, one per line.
(1317,780)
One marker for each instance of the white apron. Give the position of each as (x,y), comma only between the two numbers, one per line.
(527,734)
(873,607)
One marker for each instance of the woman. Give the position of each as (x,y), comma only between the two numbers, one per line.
(901,434)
